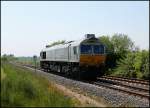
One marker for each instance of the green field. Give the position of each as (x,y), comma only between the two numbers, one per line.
(22,88)
(28,61)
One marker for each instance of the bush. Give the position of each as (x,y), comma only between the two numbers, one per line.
(134,65)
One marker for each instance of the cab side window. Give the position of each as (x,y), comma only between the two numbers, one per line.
(44,55)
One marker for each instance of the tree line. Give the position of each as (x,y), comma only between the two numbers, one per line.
(124,58)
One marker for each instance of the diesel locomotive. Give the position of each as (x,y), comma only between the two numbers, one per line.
(83,58)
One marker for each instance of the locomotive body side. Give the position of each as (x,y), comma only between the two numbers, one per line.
(62,53)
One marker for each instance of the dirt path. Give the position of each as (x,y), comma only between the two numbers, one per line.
(84,100)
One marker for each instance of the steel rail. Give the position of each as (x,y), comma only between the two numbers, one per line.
(127,80)
(123,90)
(115,82)
(142,80)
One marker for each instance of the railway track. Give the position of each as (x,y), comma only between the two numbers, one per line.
(137,81)
(134,87)
(131,92)
(119,84)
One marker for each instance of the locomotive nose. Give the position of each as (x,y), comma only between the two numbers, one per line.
(92,60)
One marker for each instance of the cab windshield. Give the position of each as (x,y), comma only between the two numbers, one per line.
(86,49)
(98,49)
(92,49)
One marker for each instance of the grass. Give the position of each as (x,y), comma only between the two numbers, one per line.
(22,88)
(2,74)
(28,61)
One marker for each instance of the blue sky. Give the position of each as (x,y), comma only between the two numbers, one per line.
(27,26)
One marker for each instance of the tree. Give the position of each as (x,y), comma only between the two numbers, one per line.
(107,42)
(145,64)
(9,57)
(125,67)
(121,43)
(117,47)
(134,65)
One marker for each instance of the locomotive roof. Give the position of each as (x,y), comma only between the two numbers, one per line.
(73,43)
(65,45)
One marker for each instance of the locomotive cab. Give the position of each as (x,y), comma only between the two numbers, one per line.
(92,56)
